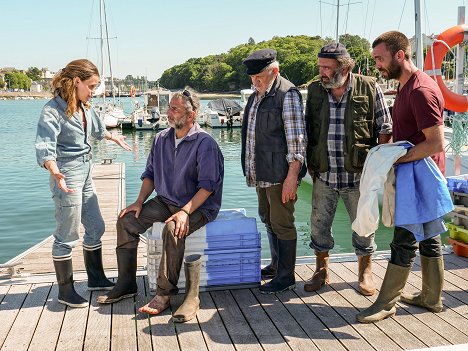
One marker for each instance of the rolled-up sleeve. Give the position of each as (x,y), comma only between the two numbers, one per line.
(209,166)
(48,129)
(294,127)
(383,118)
(99,128)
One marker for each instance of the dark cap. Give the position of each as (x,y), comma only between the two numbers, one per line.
(334,51)
(258,60)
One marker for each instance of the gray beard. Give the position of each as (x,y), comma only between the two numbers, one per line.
(336,82)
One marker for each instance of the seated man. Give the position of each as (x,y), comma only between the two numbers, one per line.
(186,169)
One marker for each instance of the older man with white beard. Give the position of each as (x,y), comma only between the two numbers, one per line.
(346,115)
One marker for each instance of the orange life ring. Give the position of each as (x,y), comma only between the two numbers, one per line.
(132,91)
(432,65)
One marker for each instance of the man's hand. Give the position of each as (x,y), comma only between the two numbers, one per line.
(181,220)
(289,191)
(135,207)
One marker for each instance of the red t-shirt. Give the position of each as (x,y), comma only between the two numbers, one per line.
(418,105)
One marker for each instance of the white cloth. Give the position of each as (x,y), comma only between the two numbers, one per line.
(377,174)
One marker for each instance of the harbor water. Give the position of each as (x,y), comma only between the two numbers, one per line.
(26,207)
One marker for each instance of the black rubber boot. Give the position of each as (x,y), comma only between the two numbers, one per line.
(67,294)
(126,285)
(270,270)
(284,279)
(97,280)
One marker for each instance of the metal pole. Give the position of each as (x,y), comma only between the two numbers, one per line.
(418,35)
(337,20)
(460,76)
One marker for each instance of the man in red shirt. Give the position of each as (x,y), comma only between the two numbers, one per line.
(417,118)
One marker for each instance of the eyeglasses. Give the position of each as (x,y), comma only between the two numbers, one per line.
(187,94)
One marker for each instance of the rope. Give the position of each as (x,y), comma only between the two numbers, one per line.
(460,132)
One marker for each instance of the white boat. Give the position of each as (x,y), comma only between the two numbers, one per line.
(157,105)
(141,121)
(223,113)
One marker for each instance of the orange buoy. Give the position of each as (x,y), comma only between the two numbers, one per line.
(132,91)
(433,63)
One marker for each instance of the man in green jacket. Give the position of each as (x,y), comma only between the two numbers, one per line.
(346,115)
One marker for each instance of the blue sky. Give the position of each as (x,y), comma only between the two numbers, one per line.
(153,35)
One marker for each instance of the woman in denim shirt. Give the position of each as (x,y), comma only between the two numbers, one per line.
(63,148)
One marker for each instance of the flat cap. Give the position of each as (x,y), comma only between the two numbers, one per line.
(333,50)
(258,60)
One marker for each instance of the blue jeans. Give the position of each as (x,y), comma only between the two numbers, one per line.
(324,203)
(71,209)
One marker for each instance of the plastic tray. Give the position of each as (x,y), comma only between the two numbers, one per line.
(459,248)
(458,232)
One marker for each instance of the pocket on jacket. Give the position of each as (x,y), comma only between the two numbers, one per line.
(360,152)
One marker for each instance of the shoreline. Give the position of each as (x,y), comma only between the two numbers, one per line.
(26,95)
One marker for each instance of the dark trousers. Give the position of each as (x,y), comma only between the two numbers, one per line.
(404,246)
(129,229)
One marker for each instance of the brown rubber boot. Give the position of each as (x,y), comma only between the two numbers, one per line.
(432,269)
(384,307)
(320,276)
(189,308)
(366,280)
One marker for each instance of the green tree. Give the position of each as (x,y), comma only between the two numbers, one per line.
(18,80)
(34,73)
(2,83)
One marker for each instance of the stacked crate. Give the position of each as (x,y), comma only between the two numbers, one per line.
(458,229)
(230,249)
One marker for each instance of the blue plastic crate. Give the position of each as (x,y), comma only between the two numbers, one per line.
(458,183)
(231,222)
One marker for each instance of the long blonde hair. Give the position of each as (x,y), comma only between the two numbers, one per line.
(64,82)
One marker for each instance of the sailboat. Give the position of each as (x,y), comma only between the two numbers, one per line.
(111,112)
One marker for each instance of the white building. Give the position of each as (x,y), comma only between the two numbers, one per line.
(35,87)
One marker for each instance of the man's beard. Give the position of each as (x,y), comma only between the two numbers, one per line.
(177,124)
(393,71)
(336,81)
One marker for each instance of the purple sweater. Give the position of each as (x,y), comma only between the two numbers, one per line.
(178,173)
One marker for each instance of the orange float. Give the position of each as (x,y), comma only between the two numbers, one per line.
(433,63)
(132,91)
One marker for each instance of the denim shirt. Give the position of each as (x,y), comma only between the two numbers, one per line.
(179,172)
(59,136)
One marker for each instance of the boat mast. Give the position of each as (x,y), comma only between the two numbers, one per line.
(108,51)
(418,34)
(102,53)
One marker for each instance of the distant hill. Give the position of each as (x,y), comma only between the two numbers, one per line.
(297,56)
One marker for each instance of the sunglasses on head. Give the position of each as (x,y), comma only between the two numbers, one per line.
(187,94)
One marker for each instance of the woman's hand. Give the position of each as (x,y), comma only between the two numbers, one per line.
(119,139)
(60,179)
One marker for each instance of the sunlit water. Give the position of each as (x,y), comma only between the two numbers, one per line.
(26,207)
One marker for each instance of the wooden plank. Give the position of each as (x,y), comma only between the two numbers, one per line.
(3,291)
(123,333)
(142,319)
(290,329)
(213,329)
(309,322)
(48,329)
(389,326)
(238,328)
(345,333)
(99,324)
(264,328)
(22,330)
(74,324)
(454,266)
(374,336)
(189,333)
(10,306)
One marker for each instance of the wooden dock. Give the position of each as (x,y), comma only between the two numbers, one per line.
(243,319)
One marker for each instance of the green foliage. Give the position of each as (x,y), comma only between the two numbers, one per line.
(297,56)
(2,83)
(34,73)
(17,80)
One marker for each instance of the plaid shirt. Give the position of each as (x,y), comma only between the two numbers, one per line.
(294,128)
(337,177)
